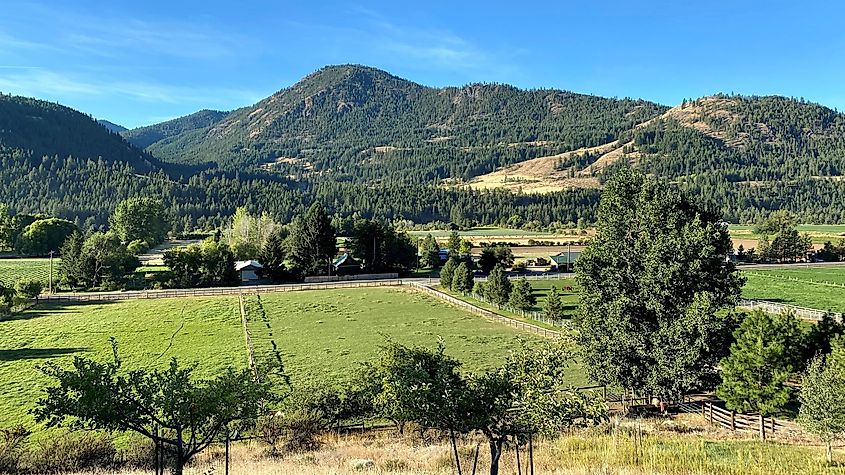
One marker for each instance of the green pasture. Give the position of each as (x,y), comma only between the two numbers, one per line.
(325,334)
(206,331)
(13,270)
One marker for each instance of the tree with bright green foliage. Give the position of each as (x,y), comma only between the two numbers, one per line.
(653,283)
(208,264)
(462,279)
(497,290)
(429,252)
(169,406)
(465,249)
(822,398)
(144,219)
(553,309)
(529,394)
(29,288)
(493,255)
(312,244)
(522,295)
(99,261)
(247,234)
(44,235)
(766,352)
(447,273)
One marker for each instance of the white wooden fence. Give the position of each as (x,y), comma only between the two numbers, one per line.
(811,314)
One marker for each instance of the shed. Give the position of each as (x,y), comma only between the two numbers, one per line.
(248,270)
(564,260)
(345,264)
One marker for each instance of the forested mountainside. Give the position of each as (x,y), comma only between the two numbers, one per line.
(362,140)
(112,127)
(160,134)
(361,124)
(31,129)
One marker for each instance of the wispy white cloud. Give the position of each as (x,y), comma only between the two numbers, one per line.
(45,83)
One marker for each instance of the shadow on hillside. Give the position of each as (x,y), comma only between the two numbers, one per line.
(37,353)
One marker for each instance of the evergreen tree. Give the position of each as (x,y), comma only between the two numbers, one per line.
(429,252)
(312,242)
(494,255)
(273,255)
(462,279)
(766,353)
(553,310)
(522,295)
(447,273)
(498,287)
(454,244)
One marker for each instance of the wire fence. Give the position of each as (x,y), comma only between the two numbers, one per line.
(811,314)
(538,330)
(214,291)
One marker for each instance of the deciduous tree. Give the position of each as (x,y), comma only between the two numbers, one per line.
(822,400)
(143,219)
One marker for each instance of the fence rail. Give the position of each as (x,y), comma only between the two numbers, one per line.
(486,313)
(213,291)
(738,422)
(811,314)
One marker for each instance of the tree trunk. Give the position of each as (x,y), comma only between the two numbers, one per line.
(495,455)
(829,448)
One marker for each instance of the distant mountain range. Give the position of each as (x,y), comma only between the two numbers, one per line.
(344,129)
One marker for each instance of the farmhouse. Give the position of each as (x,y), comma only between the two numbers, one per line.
(247,270)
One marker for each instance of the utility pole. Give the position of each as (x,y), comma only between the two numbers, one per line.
(569,257)
(51,271)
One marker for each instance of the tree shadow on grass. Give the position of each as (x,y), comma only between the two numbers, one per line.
(51,308)
(37,353)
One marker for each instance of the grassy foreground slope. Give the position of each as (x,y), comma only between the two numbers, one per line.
(324,334)
(149,332)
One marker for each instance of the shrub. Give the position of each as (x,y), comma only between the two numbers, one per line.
(11,448)
(29,288)
(73,452)
(138,247)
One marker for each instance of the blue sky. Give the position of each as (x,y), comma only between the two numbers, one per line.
(142,62)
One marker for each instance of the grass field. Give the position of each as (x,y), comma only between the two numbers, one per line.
(773,285)
(149,332)
(479,232)
(13,270)
(324,334)
(318,334)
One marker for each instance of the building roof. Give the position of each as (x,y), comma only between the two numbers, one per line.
(563,257)
(241,265)
(344,260)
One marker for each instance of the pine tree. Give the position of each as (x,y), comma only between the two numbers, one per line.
(447,273)
(522,296)
(764,356)
(429,252)
(498,287)
(273,255)
(553,309)
(462,279)
(454,244)
(312,242)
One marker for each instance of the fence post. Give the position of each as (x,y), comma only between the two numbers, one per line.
(711,412)
(733,421)
(227,452)
(762,427)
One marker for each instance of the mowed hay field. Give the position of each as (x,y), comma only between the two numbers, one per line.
(13,270)
(319,335)
(207,331)
(326,334)
(822,288)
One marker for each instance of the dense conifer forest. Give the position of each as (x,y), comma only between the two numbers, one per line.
(361,140)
